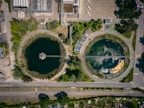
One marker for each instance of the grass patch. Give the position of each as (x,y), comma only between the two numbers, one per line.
(129,77)
(80,27)
(71,104)
(127,34)
(134,41)
(52,25)
(76,75)
(74,72)
(17,73)
(19,28)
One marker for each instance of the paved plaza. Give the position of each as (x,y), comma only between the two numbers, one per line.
(99,9)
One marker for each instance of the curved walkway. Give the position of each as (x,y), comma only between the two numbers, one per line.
(102,32)
(26,38)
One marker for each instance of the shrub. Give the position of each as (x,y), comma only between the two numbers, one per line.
(52,25)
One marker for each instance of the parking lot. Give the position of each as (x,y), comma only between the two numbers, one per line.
(99,9)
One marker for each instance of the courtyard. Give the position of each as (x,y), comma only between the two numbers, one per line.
(99,9)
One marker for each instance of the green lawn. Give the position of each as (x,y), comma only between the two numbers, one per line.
(134,41)
(74,75)
(127,34)
(19,28)
(129,77)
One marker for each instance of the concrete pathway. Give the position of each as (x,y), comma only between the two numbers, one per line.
(138,78)
(11,57)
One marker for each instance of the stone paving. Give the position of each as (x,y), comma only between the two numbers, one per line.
(99,9)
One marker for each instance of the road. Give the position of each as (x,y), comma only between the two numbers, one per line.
(17,95)
(68,84)
(138,78)
(7,17)
(9,36)
(33,93)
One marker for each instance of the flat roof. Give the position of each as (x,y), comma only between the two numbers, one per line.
(21,3)
(68,7)
(41,5)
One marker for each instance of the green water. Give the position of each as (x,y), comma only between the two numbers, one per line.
(103,52)
(106,47)
(48,46)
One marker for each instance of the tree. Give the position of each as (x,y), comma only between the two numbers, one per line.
(127,9)
(73,72)
(132,104)
(62,97)
(43,100)
(26,78)
(52,25)
(101,103)
(142,40)
(142,1)
(120,28)
(17,73)
(126,26)
(140,64)
(80,27)
(74,61)
(95,25)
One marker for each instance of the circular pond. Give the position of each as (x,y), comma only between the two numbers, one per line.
(105,56)
(43,55)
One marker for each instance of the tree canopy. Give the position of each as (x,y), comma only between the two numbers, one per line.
(43,100)
(127,12)
(142,40)
(140,64)
(127,9)
(62,97)
(52,25)
(17,73)
(142,1)
(126,26)
(80,27)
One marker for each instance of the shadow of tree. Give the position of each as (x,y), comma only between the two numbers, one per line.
(62,97)
(43,100)
(140,63)
(142,40)
(117,2)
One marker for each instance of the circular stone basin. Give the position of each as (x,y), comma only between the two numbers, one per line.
(105,56)
(43,55)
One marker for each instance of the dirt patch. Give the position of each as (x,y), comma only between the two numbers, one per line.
(63,30)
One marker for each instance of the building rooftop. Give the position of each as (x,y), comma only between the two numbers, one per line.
(21,3)
(41,5)
(68,7)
